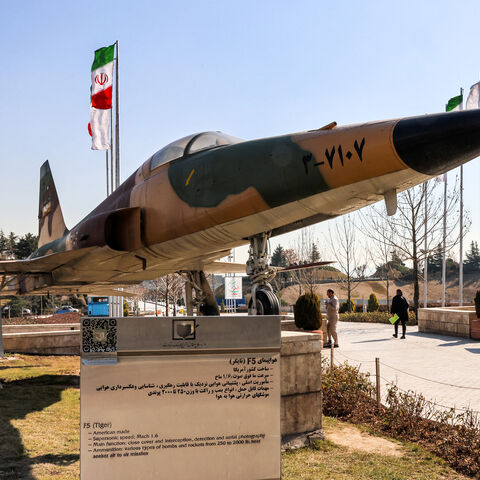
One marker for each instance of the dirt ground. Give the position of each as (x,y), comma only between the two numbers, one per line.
(352,437)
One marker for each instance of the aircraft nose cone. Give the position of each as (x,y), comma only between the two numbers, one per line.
(434,144)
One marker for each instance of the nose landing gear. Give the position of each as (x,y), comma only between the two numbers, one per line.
(263,300)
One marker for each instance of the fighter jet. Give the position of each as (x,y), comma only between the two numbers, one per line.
(197,198)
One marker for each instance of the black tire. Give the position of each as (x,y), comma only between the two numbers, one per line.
(266,303)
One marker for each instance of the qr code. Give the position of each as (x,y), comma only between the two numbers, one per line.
(99,335)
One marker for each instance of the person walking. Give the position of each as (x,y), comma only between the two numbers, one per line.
(400,307)
(332,306)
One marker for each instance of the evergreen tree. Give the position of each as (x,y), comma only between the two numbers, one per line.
(3,244)
(314,253)
(279,258)
(11,241)
(373,304)
(472,262)
(435,260)
(25,246)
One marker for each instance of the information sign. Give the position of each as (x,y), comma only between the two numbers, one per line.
(233,288)
(172,398)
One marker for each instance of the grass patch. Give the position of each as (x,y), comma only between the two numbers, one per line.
(39,418)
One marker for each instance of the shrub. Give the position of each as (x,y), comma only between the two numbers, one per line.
(307,312)
(344,307)
(374,317)
(126,310)
(477,303)
(373,304)
(344,387)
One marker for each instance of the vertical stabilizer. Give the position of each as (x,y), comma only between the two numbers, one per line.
(50,218)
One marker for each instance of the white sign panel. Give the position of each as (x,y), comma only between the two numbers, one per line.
(233,288)
(185,411)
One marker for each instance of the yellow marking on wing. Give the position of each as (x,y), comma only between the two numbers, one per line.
(189,177)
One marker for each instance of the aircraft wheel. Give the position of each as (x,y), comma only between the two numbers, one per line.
(266,303)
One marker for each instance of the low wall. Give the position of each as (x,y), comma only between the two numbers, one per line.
(41,327)
(455,321)
(301,383)
(288,325)
(63,342)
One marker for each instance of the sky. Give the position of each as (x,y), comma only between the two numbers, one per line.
(252,69)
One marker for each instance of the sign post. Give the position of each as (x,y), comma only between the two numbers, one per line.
(180,398)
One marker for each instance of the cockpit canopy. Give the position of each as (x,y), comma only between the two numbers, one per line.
(192,144)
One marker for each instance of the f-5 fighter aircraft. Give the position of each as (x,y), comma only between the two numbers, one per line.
(197,198)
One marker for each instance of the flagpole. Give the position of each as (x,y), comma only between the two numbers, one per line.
(444,261)
(425,268)
(117,128)
(460,266)
(111,150)
(106,169)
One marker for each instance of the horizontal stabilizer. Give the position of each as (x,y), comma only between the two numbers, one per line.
(224,267)
(303,266)
(45,264)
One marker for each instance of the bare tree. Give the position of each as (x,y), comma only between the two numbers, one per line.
(348,252)
(380,253)
(417,227)
(155,289)
(305,250)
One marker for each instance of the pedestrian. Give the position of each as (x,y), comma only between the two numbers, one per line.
(400,307)
(332,306)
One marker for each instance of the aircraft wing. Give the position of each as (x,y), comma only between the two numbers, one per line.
(39,265)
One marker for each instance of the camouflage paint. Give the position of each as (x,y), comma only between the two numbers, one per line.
(188,197)
(274,167)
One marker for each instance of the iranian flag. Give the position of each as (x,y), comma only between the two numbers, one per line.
(101,99)
(455,104)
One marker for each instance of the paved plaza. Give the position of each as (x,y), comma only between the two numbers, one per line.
(449,366)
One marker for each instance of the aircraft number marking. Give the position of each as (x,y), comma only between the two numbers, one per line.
(335,151)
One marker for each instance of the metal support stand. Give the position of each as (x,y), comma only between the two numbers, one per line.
(204,298)
(261,274)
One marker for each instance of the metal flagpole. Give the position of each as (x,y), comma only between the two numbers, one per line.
(116,302)
(106,168)
(460,263)
(425,268)
(460,266)
(444,261)
(111,150)
(117,127)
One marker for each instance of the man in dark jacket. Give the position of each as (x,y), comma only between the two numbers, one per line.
(400,307)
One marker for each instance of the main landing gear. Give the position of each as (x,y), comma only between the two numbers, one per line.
(204,298)
(263,300)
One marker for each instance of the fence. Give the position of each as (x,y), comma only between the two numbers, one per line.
(378,378)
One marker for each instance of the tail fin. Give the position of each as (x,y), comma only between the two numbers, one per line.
(50,218)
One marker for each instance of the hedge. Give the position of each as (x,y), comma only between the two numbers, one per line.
(374,317)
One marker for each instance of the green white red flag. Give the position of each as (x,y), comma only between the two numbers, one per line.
(455,104)
(101,99)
